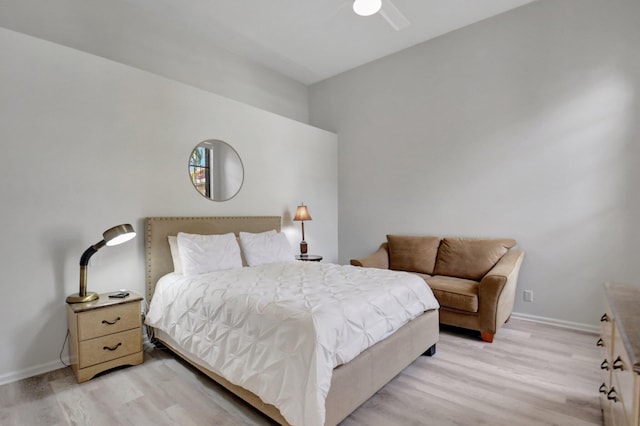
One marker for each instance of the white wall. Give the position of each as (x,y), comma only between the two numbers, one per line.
(526,125)
(87,143)
(211,68)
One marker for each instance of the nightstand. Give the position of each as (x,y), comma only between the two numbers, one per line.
(104,334)
(309,257)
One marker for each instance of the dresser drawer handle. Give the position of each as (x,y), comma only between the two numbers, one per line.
(618,364)
(604,318)
(604,365)
(111,322)
(107,348)
(603,388)
(600,343)
(611,395)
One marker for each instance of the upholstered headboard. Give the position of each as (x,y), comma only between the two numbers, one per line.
(157,229)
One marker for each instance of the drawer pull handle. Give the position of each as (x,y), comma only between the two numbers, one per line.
(603,388)
(604,365)
(111,322)
(600,343)
(611,395)
(107,348)
(604,318)
(618,364)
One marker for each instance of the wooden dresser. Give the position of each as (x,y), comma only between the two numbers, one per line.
(620,343)
(104,334)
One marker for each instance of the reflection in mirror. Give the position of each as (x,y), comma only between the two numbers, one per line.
(216,170)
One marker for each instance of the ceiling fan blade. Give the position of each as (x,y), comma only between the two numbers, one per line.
(393,16)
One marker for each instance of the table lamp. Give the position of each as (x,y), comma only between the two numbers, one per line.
(302,214)
(111,237)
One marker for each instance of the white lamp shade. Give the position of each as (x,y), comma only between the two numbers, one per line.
(366,7)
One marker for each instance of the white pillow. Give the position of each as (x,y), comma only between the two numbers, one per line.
(244,259)
(266,247)
(175,254)
(208,253)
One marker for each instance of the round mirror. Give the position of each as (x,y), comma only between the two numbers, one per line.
(216,170)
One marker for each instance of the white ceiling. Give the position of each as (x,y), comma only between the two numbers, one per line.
(307,40)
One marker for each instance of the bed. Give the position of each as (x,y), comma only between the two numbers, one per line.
(351,383)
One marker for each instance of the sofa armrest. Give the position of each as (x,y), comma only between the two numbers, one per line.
(379,259)
(497,291)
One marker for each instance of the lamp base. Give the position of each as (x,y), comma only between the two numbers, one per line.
(76,298)
(303,247)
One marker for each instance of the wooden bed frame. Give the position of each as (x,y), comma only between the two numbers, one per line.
(352,383)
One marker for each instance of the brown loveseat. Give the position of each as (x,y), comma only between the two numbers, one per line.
(473,279)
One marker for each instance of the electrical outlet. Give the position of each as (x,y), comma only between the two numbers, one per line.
(528,295)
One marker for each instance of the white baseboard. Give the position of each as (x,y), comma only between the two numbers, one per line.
(32,371)
(49,366)
(558,323)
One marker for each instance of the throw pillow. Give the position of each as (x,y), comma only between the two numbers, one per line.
(470,258)
(412,253)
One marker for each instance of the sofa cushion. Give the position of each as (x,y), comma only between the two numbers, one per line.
(470,258)
(412,254)
(455,293)
(425,277)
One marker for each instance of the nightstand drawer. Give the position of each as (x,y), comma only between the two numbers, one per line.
(100,322)
(101,349)
(623,377)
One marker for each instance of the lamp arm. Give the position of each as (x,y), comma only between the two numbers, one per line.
(84,262)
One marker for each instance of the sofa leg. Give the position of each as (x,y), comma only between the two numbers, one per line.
(486,336)
(507,320)
(431,351)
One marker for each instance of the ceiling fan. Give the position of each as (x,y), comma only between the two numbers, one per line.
(387,10)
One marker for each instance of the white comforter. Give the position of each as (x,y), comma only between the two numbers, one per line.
(278,330)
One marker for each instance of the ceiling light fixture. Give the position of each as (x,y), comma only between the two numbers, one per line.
(367,7)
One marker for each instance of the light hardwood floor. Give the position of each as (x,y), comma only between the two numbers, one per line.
(531,374)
